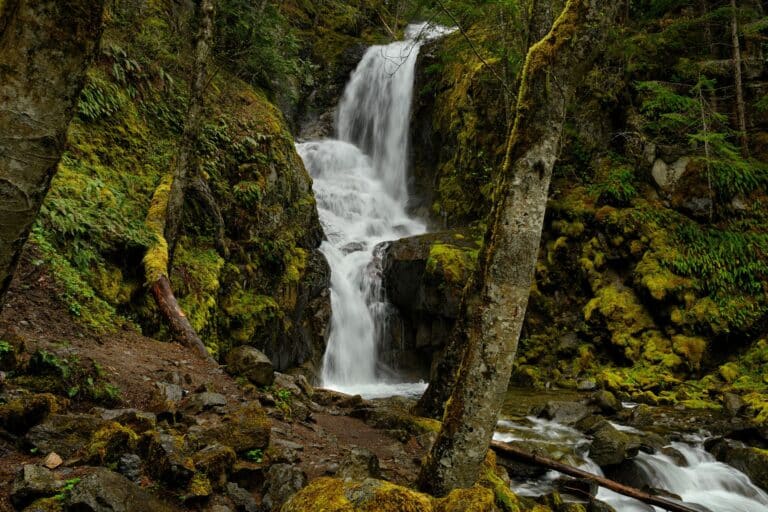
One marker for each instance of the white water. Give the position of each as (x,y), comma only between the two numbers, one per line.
(702,483)
(360,182)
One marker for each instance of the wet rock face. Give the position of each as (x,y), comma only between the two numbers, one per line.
(424,277)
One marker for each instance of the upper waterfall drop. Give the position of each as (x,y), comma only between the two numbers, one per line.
(360,182)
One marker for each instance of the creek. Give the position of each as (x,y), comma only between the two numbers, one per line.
(360,182)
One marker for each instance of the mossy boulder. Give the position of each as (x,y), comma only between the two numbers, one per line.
(424,277)
(65,434)
(251,364)
(21,413)
(243,429)
(335,495)
(110,442)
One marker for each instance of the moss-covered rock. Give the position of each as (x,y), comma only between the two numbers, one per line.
(334,495)
(24,412)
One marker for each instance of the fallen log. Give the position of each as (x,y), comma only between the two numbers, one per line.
(538,460)
(156,271)
(182,330)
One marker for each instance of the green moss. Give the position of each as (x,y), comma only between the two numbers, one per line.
(622,312)
(156,258)
(199,487)
(196,279)
(454,264)
(110,442)
(248,313)
(489,478)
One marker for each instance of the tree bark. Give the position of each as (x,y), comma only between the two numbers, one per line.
(741,111)
(496,301)
(538,460)
(187,163)
(156,273)
(45,49)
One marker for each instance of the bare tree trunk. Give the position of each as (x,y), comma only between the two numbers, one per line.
(187,163)
(740,108)
(541,15)
(45,49)
(495,304)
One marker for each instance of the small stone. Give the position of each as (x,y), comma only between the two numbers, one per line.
(242,499)
(52,461)
(129,465)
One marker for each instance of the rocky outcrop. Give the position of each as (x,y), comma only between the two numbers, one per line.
(424,277)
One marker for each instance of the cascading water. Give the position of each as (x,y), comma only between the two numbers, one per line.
(360,182)
(702,482)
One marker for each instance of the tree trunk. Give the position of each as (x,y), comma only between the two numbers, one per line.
(45,49)
(541,16)
(741,111)
(156,273)
(187,163)
(496,301)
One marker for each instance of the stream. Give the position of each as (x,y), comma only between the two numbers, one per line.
(360,182)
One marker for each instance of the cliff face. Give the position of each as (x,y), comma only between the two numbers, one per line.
(652,267)
(271,290)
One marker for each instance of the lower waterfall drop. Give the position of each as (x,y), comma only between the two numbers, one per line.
(360,186)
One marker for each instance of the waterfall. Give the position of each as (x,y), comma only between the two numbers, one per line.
(702,482)
(360,182)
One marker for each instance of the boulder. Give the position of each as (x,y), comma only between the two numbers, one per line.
(33,482)
(243,429)
(282,482)
(359,464)
(567,413)
(667,176)
(216,462)
(611,446)
(21,413)
(606,401)
(204,401)
(251,364)
(167,458)
(65,434)
(106,491)
(129,465)
(138,421)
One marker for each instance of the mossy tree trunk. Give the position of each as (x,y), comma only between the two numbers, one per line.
(187,175)
(167,209)
(496,300)
(45,49)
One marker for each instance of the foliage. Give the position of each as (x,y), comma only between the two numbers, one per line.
(255,455)
(255,42)
(617,188)
(68,376)
(680,113)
